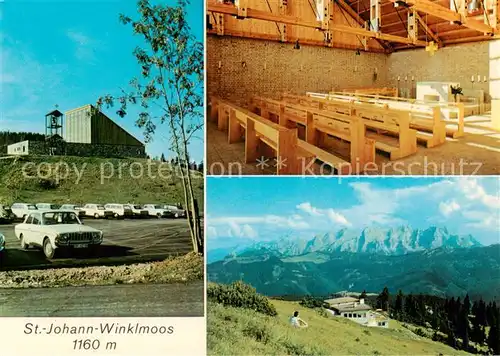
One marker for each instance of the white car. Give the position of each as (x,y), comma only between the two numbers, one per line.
(6,215)
(21,210)
(2,247)
(138,211)
(176,211)
(56,229)
(157,210)
(46,206)
(119,210)
(77,209)
(97,211)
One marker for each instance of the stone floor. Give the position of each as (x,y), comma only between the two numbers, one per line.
(478,153)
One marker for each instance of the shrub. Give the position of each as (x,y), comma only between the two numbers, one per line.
(259,332)
(240,295)
(420,332)
(311,302)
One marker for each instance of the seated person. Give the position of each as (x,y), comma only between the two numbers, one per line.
(297,322)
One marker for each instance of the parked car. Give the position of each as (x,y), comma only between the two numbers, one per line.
(56,229)
(97,211)
(2,247)
(119,210)
(6,214)
(158,211)
(21,210)
(77,209)
(46,206)
(138,211)
(176,211)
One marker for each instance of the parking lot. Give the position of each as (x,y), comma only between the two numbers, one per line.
(125,241)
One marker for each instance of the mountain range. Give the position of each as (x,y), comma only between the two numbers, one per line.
(386,241)
(431,261)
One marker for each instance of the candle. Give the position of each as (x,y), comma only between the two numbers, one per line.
(406,77)
(472,79)
(484,79)
(478,78)
(399,78)
(412,78)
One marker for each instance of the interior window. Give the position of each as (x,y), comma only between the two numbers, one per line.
(36,220)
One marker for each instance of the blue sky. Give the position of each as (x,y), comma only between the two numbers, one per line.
(69,53)
(262,209)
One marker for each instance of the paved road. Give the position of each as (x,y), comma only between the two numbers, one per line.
(125,241)
(135,300)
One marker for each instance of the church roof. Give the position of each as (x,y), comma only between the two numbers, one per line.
(55,112)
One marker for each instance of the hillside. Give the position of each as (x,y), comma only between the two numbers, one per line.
(233,331)
(441,272)
(20,182)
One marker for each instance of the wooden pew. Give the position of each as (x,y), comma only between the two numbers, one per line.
(431,130)
(451,114)
(318,124)
(396,123)
(242,124)
(393,92)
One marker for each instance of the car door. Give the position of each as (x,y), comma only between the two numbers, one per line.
(25,228)
(34,229)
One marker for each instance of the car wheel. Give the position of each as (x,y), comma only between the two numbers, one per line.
(24,245)
(96,216)
(48,250)
(158,216)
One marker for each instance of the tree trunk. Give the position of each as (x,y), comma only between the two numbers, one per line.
(188,192)
(194,218)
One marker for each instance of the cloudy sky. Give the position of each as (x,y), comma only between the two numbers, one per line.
(269,208)
(69,53)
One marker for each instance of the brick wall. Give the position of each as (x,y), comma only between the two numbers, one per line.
(273,67)
(450,64)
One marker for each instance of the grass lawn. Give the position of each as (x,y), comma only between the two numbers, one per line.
(236,331)
(20,181)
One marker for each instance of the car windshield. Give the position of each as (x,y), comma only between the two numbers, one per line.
(31,207)
(158,207)
(100,207)
(56,218)
(137,207)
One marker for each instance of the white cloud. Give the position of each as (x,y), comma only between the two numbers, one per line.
(211,232)
(85,45)
(331,214)
(447,208)
(474,191)
(309,209)
(483,220)
(249,226)
(241,231)
(337,218)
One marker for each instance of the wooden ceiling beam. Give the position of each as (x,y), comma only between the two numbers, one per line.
(291,20)
(450,15)
(469,39)
(428,30)
(345,6)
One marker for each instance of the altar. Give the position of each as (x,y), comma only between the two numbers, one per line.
(436,91)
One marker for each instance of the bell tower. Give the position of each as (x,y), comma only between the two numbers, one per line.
(54,123)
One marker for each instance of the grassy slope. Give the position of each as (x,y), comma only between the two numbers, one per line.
(233,331)
(14,187)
